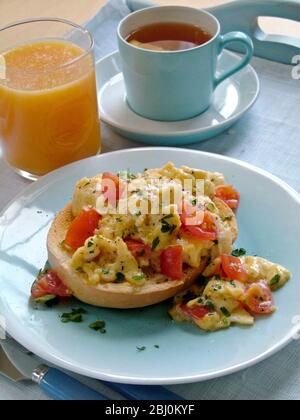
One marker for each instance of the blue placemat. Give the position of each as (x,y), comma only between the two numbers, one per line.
(268,136)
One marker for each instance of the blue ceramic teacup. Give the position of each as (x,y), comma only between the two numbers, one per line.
(175,85)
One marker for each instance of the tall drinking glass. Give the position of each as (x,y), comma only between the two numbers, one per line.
(48,99)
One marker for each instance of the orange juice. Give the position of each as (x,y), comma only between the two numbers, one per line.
(48,106)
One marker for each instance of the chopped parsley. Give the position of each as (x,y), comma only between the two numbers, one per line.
(45,299)
(138,277)
(194,202)
(98,326)
(225,312)
(210,305)
(166,226)
(239,252)
(120,277)
(275,280)
(90,243)
(155,243)
(140,349)
(105,271)
(156,346)
(74,316)
(232,283)
(216,242)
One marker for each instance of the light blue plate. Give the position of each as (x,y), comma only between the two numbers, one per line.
(269,226)
(232,99)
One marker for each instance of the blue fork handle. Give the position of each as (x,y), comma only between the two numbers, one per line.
(59,386)
(144,392)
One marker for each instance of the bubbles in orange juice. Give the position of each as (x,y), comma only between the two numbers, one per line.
(44,64)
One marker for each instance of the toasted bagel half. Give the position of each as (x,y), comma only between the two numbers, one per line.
(109,295)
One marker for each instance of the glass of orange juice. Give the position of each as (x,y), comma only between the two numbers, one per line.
(48,99)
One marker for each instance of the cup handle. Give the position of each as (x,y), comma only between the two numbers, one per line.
(234,37)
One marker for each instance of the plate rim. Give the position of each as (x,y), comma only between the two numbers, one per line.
(135,380)
(186,133)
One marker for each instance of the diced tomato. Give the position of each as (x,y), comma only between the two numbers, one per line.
(258,299)
(207,230)
(218,271)
(82,228)
(229,195)
(233,268)
(171,262)
(196,312)
(49,284)
(138,249)
(112,188)
(190,215)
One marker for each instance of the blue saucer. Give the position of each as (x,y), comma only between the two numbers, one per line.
(232,99)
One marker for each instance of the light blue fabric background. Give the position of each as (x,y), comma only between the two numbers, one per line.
(269,137)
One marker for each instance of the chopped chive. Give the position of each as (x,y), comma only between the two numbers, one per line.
(210,305)
(138,277)
(156,346)
(105,271)
(225,312)
(275,280)
(98,326)
(239,252)
(155,243)
(45,299)
(120,277)
(140,349)
(74,316)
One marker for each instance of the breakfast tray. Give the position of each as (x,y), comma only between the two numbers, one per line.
(268,136)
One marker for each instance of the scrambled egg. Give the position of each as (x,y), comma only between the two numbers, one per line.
(105,257)
(149,213)
(223,297)
(113,260)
